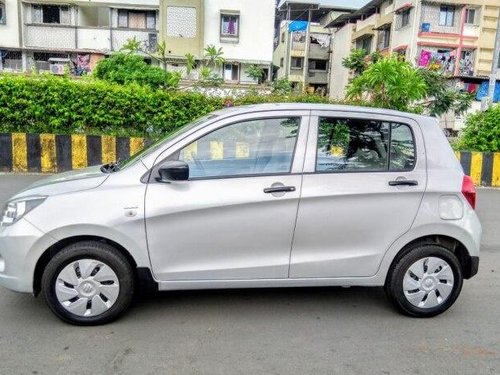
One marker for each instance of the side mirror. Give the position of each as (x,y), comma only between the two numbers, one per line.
(173,171)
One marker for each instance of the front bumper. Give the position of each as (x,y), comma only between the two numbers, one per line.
(21,245)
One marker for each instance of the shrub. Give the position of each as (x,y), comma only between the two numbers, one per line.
(282,86)
(49,104)
(481,131)
(124,68)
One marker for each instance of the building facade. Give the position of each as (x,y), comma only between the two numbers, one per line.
(302,53)
(44,35)
(243,29)
(454,37)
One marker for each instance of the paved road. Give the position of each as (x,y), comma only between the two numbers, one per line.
(295,331)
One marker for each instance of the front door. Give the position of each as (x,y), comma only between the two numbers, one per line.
(235,217)
(364,179)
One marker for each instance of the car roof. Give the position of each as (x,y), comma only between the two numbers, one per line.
(236,110)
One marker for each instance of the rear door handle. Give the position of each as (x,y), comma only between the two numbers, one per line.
(403,182)
(279,189)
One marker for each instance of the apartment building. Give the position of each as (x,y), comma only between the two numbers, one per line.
(303,47)
(455,37)
(10,52)
(45,35)
(243,29)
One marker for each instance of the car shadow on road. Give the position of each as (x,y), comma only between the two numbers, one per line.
(253,302)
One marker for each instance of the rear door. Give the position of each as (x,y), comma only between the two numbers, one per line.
(364,179)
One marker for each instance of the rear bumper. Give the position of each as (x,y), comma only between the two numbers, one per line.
(471,268)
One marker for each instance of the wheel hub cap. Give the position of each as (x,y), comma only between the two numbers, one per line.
(428,282)
(87,287)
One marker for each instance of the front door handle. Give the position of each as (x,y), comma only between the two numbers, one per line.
(403,182)
(279,189)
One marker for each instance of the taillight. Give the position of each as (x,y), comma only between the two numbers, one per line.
(469,191)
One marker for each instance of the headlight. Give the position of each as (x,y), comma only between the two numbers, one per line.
(16,209)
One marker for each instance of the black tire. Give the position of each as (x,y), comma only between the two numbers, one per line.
(394,283)
(98,251)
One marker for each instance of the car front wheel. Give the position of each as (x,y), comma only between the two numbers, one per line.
(425,281)
(88,283)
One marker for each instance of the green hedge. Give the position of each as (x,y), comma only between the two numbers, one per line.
(45,104)
(481,131)
(48,104)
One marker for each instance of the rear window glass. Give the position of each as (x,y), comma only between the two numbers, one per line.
(349,144)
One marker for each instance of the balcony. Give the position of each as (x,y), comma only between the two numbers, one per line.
(70,37)
(94,38)
(315,51)
(61,37)
(317,77)
(121,36)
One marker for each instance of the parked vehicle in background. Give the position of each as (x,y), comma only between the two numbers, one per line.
(273,195)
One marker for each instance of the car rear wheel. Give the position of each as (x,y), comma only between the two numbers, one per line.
(88,283)
(425,281)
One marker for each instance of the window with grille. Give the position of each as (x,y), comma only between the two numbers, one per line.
(365,44)
(3,21)
(296,62)
(230,25)
(384,38)
(446,15)
(470,16)
(319,65)
(135,19)
(405,17)
(50,14)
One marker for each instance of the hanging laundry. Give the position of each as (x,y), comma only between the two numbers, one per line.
(299,36)
(322,39)
(425,58)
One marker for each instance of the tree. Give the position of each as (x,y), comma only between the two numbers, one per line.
(214,56)
(359,60)
(157,51)
(124,68)
(255,72)
(481,131)
(190,63)
(441,97)
(282,86)
(391,82)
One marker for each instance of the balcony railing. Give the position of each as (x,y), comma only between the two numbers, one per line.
(147,37)
(50,36)
(68,37)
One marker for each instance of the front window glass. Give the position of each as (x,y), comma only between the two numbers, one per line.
(155,146)
(263,146)
(348,144)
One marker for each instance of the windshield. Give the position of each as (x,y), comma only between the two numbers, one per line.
(156,145)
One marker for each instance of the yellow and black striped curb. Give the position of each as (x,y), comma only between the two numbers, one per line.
(483,167)
(20,152)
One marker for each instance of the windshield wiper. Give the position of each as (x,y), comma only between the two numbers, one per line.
(110,167)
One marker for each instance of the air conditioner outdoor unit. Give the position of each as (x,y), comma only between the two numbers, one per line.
(57,69)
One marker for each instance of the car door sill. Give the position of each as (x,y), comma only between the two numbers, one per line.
(270,283)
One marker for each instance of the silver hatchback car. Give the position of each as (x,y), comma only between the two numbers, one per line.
(273,195)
